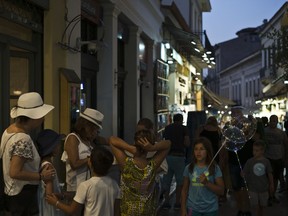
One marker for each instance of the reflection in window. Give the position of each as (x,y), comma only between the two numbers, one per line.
(19,71)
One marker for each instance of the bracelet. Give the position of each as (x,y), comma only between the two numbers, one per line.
(57,203)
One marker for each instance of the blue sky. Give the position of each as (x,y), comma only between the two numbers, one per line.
(229,16)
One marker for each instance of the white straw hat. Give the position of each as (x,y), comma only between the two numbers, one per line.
(31,105)
(93,116)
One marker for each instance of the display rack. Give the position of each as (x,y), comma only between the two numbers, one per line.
(161,97)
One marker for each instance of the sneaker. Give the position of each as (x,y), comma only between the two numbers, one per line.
(166,206)
(177,206)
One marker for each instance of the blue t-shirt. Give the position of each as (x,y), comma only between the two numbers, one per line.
(200,198)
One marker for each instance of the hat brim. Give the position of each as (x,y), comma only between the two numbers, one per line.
(91,120)
(33,113)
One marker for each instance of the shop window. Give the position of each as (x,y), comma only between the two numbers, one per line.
(19,71)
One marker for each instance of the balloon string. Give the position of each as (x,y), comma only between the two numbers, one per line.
(224,142)
(245,182)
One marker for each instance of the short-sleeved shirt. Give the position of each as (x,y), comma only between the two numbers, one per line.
(275,143)
(256,171)
(176,134)
(200,198)
(22,145)
(98,194)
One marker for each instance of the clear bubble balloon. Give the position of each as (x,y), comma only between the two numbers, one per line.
(233,146)
(237,130)
(234,134)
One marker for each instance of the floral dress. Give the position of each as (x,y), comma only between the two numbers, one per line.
(138,195)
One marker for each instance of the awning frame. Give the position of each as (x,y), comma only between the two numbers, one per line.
(218,100)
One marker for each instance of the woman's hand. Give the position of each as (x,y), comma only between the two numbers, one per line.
(145,144)
(47,173)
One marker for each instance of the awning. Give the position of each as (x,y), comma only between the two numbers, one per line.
(276,87)
(216,99)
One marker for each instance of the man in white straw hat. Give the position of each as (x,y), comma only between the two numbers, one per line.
(21,160)
(78,146)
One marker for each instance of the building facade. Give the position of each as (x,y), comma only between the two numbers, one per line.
(102,54)
(274,100)
(238,63)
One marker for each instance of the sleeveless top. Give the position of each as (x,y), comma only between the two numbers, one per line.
(75,177)
(137,187)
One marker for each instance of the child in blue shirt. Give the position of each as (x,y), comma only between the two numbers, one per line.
(202,183)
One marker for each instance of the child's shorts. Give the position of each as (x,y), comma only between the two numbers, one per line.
(258,198)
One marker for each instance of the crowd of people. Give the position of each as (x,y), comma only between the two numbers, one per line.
(108,176)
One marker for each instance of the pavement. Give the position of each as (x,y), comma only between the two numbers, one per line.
(229,208)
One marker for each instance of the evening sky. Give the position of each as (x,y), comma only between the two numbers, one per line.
(229,16)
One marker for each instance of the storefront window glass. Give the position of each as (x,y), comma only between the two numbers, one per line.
(19,70)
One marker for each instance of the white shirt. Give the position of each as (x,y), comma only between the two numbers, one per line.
(98,194)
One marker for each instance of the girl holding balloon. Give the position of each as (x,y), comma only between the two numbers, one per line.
(203,182)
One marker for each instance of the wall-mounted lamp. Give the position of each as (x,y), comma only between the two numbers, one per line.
(93,46)
(197,85)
